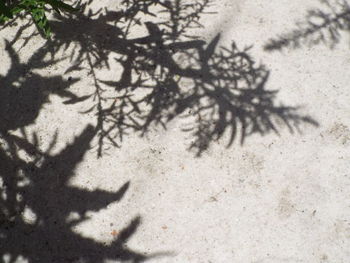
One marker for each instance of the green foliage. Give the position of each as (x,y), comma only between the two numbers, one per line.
(37,9)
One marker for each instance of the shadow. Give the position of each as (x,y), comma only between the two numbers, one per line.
(44,191)
(324,25)
(23,92)
(168,72)
(38,206)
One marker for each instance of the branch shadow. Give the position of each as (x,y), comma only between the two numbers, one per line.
(38,206)
(169,73)
(166,74)
(325,25)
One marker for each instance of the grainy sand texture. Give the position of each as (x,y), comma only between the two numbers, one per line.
(177,131)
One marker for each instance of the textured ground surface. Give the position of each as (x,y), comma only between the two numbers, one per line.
(276,198)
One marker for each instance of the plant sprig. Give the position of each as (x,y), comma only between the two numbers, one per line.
(37,9)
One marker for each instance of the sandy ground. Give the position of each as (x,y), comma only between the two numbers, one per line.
(276,198)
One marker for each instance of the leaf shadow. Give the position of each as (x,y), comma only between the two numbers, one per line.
(169,73)
(36,198)
(324,25)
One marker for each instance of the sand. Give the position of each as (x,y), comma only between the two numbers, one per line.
(173,190)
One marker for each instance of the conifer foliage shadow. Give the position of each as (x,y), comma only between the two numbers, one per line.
(168,73)
(36,200)
(323,25)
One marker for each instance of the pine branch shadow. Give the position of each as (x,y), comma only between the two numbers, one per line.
(169,73)
(47,235)
(324,25)
(36,199)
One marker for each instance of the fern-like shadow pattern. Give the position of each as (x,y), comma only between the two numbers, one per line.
(324,25)
(168,73)
(36,199)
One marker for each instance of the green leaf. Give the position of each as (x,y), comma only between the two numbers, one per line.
(41,21)
(37,10)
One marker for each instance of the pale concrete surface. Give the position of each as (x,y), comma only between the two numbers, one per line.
(275,199)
